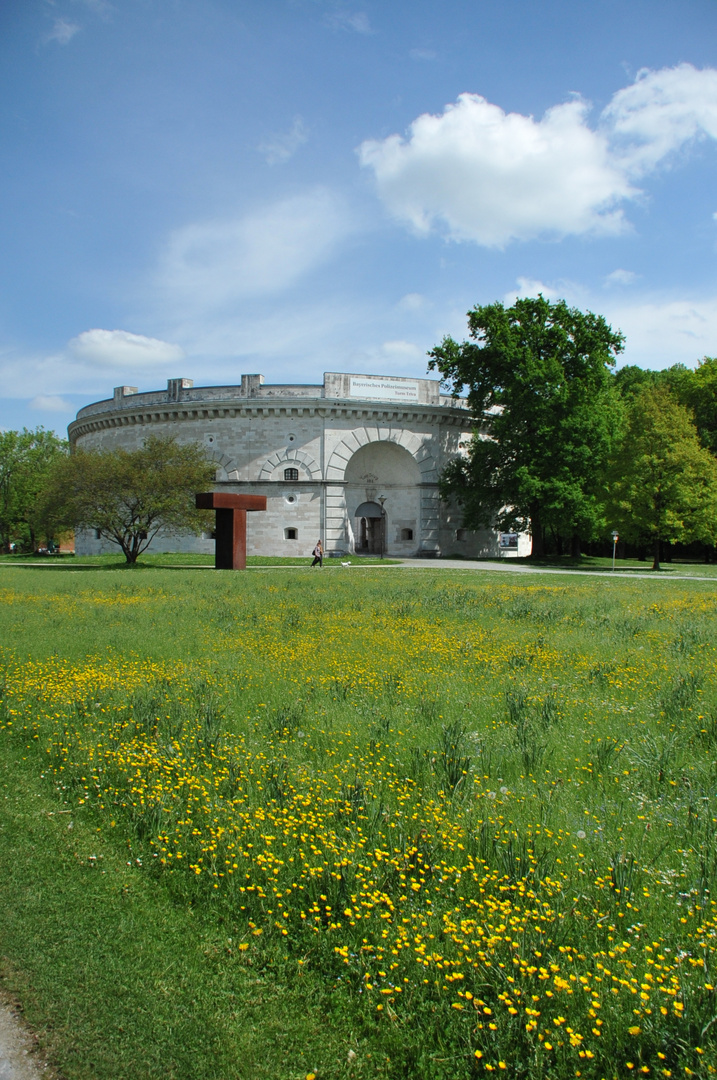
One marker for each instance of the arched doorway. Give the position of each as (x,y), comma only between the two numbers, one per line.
(370,539)
(383,499)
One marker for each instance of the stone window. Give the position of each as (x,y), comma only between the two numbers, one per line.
(461,535)
(98,534)
(407,534)
(291,534)
(291,474)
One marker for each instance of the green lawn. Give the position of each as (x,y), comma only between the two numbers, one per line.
(416,824)
(168,560)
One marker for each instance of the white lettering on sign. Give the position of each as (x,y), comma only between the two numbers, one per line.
(383,389)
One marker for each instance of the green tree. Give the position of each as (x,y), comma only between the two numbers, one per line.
(631,379)
(700,395)
(663,482)
(26,460)
(127,496)
(541,391)
(696,389)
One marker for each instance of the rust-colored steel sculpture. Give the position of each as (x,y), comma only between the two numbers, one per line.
(231,511)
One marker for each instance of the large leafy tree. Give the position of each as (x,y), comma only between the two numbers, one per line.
(663,482)
(540,388)
(26,459)
(127,496)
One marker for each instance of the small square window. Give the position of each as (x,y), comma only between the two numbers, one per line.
(407,534)
(98,534)
(291,534)
(460,534)
(291,474)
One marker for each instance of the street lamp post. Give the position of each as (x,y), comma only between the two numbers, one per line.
(382,500)
(615,539)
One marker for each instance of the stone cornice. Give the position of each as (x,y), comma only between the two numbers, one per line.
(118,416)
(287,486)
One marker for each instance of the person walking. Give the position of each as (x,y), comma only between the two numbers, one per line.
(318,554)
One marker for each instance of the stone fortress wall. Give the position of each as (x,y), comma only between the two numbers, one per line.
(354,461)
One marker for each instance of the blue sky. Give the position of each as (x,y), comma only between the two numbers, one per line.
(202,188)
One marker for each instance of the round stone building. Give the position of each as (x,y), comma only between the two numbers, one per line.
(354,461)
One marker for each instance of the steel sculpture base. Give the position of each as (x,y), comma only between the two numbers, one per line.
(231,511)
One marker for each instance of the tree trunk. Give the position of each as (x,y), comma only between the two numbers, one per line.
(656,553)
(536,530)
(575,549)
(129,552)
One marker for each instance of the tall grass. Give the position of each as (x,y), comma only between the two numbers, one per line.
(485,811)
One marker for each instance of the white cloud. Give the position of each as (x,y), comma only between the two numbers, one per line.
(531,287)
(305,336)
(492,177)
(90,365)
(100,7)
(621,277)
(401,350)
(121,350)
(51,403)
(213,263)
(479,174)
(62,31)
(661,331)
(357,21)
(422,54)
(659,113)
(279,148)
(413,301)
(398,357)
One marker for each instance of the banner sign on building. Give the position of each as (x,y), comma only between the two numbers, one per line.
(508,541)
(376,389)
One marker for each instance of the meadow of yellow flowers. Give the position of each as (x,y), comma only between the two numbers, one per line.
(484,808)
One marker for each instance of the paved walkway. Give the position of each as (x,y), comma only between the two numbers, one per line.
(522,568)
(508,566)
(17,1059)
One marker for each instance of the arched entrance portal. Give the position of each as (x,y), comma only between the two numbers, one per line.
(370,539)
(383,499)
